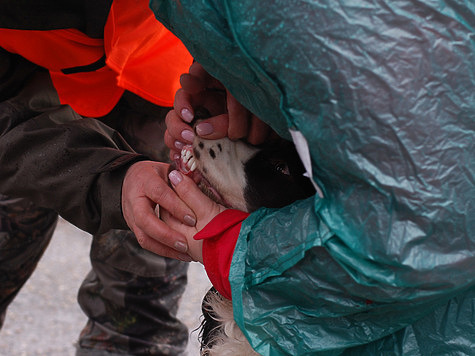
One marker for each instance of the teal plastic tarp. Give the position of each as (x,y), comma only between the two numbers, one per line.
(384,94)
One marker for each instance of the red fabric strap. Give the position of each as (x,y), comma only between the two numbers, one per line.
(220,237)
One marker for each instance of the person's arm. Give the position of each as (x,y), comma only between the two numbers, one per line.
(77,166)
(70,167)
(228,117)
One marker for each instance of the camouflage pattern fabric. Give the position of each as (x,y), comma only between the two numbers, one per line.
(25,231)
(131,297)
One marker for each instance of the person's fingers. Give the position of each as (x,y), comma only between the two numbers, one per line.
(183,105)
(178,133)
(145,185)
(170,143)
(158,248)
(174,156)
(192,84)
(197,71)
(186,104)
(228,117)
(144,223)
(149,227)
(204,208)
(239,118)
(213,128)
(258,132)
(160,193)
(195,247)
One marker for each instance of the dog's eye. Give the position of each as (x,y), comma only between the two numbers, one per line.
(282,168)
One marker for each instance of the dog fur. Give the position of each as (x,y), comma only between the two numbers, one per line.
(244,177)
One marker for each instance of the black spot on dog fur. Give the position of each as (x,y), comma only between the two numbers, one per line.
(196,153)
(212,153)
(220,147)
(201,145)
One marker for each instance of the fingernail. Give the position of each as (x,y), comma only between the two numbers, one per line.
(189,220)
(187,115)
(204,129)
(175,177)
(188,135)
(179,145)
(181,246)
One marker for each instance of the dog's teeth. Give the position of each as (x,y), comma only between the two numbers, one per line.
(193,166)
(190,161)
(184,159)
(188,154)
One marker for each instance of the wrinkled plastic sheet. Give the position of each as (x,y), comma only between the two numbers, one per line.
(384,94)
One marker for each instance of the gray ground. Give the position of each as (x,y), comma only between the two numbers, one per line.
(45,318)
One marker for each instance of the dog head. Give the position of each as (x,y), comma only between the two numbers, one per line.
(245,177)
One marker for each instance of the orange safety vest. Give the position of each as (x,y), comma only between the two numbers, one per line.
(140,55)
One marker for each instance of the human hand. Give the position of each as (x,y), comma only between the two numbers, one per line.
(204,208)
(144,186)
(228,117)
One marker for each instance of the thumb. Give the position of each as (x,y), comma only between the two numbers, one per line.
(203,207)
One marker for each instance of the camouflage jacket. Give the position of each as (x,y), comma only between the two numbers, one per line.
(55,157)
